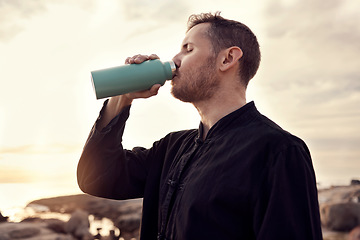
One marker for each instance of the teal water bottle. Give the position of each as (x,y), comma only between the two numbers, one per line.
(131,77)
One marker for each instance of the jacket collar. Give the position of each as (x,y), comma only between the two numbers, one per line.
(239,117)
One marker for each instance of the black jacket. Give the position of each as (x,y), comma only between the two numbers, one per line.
(248,179)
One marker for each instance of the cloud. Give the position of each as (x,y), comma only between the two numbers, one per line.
(161,11)
(312,50)
(317,30)
(311,65)
(23,8)
(148,17)
(15,13)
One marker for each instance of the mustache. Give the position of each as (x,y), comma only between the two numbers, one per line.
(176,73)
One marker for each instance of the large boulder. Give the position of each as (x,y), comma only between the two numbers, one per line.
(340,216)
(78,225)
(35,230)
(340,207)
(129,219)
(27,232)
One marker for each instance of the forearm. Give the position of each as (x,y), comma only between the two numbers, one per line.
(98,153)
(107,170)
(112,109)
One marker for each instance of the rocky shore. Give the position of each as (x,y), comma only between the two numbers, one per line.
(340,212)
(73,218)
(339,209)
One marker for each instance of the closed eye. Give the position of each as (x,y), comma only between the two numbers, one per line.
(187,48)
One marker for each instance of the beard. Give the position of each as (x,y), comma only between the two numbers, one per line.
(196,84)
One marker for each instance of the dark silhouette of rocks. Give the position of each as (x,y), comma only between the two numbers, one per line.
(355,182)
(126,215)
(24,233)
(339,210)
(29,231)
(78,225)
(341,216)
(3,218)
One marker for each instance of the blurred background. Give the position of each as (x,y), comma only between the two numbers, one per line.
(308,82)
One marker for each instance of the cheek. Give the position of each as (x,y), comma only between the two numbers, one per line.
(190,61)
(184,64)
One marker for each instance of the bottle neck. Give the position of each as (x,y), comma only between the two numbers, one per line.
(173,66)
(170,74)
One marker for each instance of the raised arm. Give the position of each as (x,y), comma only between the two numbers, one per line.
(105,169)
(118,103)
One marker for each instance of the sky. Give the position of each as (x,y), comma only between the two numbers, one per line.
(308,81)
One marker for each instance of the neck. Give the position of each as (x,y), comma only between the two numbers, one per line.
(212,110)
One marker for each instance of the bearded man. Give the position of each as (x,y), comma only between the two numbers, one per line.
(238,176)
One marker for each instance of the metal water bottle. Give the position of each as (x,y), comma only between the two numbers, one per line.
(131,77)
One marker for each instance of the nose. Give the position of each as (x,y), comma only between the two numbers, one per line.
(176,59)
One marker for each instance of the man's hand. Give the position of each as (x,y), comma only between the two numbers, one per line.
(117,103)
(137,59)
(140,58)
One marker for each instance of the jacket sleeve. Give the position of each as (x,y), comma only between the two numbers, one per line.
(107,170)
(288,206)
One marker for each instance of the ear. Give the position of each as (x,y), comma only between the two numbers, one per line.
(230,58)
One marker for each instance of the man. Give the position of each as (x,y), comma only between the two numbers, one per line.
(239,176)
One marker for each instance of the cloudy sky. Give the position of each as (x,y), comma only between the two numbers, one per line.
(308,82)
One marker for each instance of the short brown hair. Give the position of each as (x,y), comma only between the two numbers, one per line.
(225,33)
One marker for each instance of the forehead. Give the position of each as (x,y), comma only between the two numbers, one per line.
(198,33)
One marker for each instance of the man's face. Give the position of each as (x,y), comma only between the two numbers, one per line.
(196,78)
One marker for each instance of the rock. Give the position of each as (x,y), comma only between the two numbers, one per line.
(55,225)
(128,223)
(340,194)
(355,182)
(340,207)
(25,230)
(78,225)
(340,216)
(31,220)
(3,218)
(4,237)
(130,207)
(355,234)
(99,207)
(112,235)
(129,218)
(24,233)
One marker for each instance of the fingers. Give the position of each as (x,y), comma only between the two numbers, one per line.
(154,89)
(146,93)
(153,56)
(140,58)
